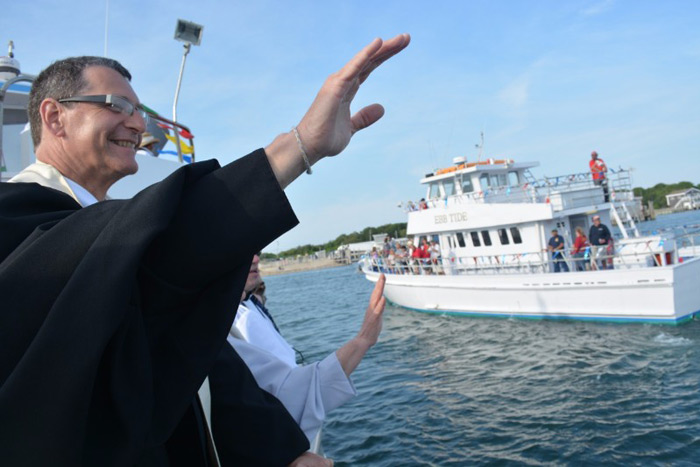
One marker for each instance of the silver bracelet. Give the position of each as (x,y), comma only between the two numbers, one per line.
(303,151)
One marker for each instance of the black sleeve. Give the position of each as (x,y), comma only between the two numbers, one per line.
(608,235)
(225,217)
(114,314)
(193,274)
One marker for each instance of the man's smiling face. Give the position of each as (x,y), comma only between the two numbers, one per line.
(103,141)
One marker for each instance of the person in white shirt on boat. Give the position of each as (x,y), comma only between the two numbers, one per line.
(435,255)
(310,391)
(402,258)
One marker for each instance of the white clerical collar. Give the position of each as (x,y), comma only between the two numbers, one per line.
(84,197)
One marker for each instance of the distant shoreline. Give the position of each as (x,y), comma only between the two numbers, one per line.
(273,268)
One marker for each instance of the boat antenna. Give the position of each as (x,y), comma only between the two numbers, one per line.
(11,49)
(480,146)
(106,26)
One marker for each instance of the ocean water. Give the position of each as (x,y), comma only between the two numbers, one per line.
(450,391)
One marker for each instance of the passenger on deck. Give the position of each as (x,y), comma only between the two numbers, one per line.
(402,257)
(391,261)
(578,253)
(422,204)
(424,252)
(386,247)
(312,390)
(374,258)
(435,256)
(556,247)
(414,257)
(600,238)
(599,173)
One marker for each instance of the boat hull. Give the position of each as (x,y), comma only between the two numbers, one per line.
(661,295)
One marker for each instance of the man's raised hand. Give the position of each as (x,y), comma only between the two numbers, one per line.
(327,127)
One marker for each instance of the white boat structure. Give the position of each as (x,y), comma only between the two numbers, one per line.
(492,221)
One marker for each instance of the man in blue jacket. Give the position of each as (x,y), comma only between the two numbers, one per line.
(600,238)
(556,247)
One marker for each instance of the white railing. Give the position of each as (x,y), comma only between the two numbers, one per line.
(652,252)
(537,191)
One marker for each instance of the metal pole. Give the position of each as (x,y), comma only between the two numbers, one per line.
(187,47)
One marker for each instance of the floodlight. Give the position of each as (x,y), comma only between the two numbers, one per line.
(187,31)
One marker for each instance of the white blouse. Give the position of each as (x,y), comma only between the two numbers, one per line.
(308,392)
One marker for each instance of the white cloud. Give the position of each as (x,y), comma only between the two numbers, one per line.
(515,94)
(598,8)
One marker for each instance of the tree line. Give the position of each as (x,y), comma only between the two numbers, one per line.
(658,192)
(397,230)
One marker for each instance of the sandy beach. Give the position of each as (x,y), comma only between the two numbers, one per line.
(272,268)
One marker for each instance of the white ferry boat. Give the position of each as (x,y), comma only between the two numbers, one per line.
(492,221)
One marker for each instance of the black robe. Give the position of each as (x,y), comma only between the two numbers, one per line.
(111,316)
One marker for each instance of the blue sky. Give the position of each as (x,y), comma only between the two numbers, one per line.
(545,80)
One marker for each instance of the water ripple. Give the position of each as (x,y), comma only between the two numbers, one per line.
(444,391)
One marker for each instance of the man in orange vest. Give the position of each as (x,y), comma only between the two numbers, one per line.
(599,172)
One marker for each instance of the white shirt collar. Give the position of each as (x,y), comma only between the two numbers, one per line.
(85,198)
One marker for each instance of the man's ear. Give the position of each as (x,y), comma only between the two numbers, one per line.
(52,117)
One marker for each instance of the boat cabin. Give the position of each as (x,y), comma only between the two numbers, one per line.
(472,179)
(496,211)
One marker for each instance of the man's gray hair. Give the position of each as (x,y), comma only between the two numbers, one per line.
(62,79)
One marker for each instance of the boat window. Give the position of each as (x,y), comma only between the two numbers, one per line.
(467,186)
(460,239)
(434,190)
(487,238)
(503,236)
(513,179)
(499,180)
(449,187)
(515,233)
(475,239)
(484,181)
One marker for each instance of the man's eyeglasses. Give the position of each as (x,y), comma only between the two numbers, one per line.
(114,103)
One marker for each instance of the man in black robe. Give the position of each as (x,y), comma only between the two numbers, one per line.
(114,312)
